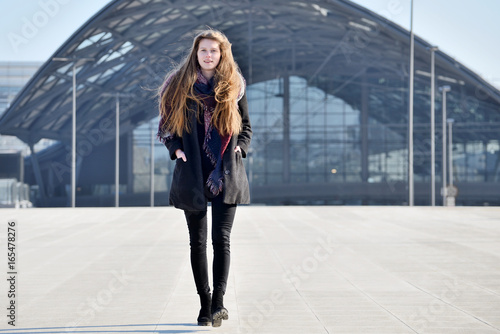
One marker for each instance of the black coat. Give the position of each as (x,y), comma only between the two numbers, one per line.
(187,190)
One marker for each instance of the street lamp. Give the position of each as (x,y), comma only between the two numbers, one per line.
(117,142)
(444,90)
(411,191)
(73,140)
(450,149)
(433,130)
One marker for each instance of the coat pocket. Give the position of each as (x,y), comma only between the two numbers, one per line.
(236,181)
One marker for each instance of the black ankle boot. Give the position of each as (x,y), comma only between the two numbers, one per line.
(205,316)
(219,312)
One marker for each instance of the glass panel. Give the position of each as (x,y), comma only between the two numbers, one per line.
(163,167)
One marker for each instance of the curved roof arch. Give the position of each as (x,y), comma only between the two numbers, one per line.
(133,43)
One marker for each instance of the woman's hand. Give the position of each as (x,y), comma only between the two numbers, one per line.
(237,149)
(180,154)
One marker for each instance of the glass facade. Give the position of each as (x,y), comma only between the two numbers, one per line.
(145,138)
(363,146)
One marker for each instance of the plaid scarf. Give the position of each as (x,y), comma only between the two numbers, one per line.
(214,144)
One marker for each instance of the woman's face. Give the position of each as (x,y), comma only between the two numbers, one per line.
(208,55)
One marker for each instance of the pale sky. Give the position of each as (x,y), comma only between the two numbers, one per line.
(469,31)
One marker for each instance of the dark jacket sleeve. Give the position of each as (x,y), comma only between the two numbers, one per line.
(171,141)
(245,136)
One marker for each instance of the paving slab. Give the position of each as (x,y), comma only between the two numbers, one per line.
(294,269)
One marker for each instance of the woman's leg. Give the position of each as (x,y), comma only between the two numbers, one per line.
(197,224)
(222,223)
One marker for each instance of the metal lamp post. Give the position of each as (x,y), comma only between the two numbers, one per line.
(452,191)
(433,130)
(73,140)
(450,149)
(444,90)
(411,191)
(117,142)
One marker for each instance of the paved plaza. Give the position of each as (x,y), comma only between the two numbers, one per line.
(313,269)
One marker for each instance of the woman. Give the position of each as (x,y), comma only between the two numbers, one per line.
(205,126)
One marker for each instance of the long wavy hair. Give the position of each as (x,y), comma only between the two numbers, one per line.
(174,99)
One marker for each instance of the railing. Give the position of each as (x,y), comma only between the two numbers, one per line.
(14,194)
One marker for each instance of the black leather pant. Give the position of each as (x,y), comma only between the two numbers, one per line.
(222,223)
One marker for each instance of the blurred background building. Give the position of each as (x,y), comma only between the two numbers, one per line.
(13,191)
(13,77)
(328,91)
